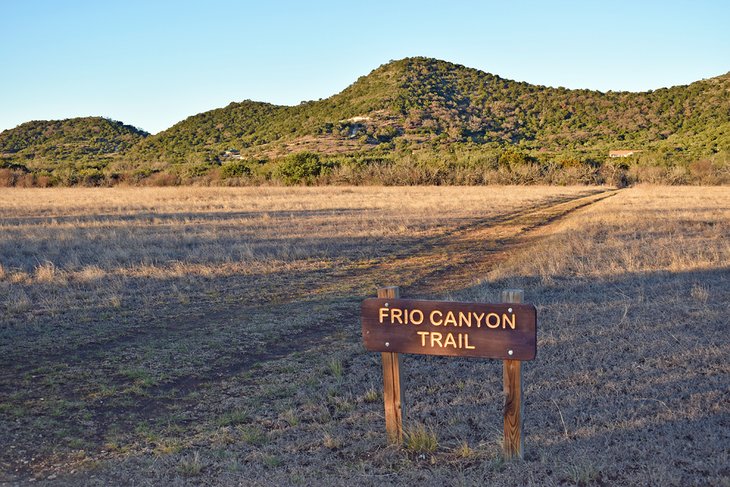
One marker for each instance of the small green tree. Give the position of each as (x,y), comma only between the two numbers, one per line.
(235,169)
(302,167)
(512,158)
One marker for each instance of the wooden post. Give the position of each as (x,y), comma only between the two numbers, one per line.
(512,386)
(392,393)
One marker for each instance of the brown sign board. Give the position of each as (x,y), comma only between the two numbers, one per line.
(500,331)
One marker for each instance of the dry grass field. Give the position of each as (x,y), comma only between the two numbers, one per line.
(178,336)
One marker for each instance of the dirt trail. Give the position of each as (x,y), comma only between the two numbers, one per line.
(465,255)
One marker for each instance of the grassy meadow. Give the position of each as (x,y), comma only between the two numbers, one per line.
(211,336)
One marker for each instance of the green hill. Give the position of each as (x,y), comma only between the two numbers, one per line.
(424,104)
(435,120)
(80,147)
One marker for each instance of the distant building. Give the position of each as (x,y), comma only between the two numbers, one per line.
(622,153)
(232,154)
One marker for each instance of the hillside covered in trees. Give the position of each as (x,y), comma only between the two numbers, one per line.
(413,121)
(72,151)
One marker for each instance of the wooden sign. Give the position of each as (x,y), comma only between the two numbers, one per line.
(505,331)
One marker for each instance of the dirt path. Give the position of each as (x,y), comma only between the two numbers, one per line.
(466,255)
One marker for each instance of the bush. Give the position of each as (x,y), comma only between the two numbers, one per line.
(386,133)
(162,179)
(197,170)
(303,167)
(616,175)
(7,178)
(90,177)
(565,161)
(138,175)
(235,169)
(513,159)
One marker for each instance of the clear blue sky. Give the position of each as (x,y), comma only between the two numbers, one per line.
(153,63)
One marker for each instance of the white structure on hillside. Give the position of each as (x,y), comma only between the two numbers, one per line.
(622,153)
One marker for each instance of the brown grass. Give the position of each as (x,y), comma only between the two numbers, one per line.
(85,242)
(649,229)
(178,335)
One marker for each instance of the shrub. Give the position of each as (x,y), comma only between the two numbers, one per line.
(90,176)
(235,169)
(386,133)
(512,159)
(198,170)
(566,161)
(162,179)
(138,175)
(616,174)
(7,178)
(302,167)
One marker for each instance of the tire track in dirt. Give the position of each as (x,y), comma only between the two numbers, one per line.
(482,247)
(437,265)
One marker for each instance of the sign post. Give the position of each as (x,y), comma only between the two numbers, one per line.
(512,386)
(506,331)
(392,393)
